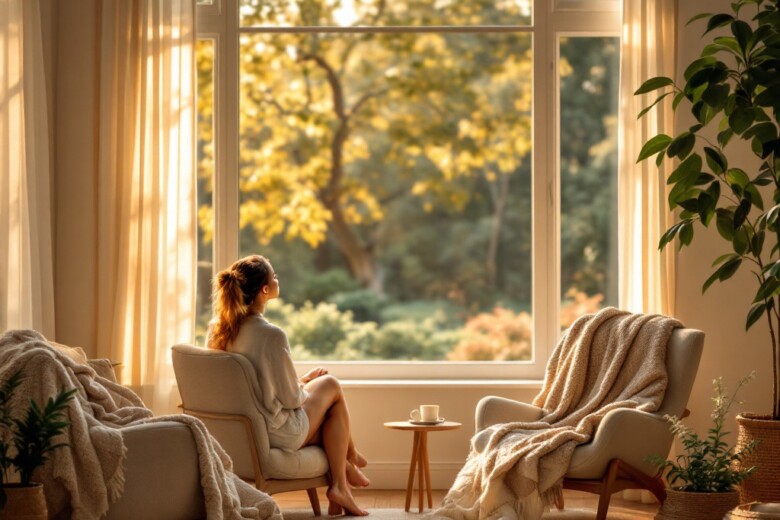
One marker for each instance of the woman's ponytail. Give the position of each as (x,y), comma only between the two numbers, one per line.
(229,309)
(234,290)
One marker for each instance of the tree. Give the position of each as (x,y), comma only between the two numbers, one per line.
(336,128)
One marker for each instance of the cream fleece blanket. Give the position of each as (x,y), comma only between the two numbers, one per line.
(605,361)
(88,476)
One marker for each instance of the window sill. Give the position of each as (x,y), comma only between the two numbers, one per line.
(534,384)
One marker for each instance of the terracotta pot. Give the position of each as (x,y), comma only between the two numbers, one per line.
(762,485)
(24,503)
(685,505)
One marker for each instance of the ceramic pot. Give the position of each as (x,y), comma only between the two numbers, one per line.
(24,502)
(685,505)
(762,485)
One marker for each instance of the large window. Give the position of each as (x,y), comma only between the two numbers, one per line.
(434,181)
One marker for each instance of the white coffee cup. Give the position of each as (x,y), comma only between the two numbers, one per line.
(426,413)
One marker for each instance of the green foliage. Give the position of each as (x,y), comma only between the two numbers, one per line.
(732,88)
(25,442)
(364,304)
(707,465)
(321,286)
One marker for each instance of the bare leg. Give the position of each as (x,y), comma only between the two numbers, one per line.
(329,418)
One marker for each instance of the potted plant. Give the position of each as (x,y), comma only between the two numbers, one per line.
(24,444)
(703,478)
(733,89)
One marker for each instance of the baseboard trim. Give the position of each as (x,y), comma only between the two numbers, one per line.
(395,475)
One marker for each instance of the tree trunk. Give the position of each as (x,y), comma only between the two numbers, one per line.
(360,259)
(499,192)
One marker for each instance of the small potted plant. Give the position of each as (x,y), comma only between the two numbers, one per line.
(703,479)
(24,444)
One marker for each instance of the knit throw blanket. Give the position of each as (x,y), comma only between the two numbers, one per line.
(88,475)
(612,359)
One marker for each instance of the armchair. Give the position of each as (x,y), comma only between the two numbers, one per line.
(221,389)
(614,460)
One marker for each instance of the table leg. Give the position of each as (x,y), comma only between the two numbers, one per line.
(422,456)
(410,482)
(427,465)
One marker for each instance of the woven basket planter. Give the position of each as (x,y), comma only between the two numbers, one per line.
(24,503)
(684,505)
(764,484)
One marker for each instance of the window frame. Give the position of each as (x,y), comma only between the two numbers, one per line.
(552,20)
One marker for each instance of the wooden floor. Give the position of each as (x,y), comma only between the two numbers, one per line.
(387,499)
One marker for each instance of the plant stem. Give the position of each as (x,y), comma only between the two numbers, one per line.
(775,403)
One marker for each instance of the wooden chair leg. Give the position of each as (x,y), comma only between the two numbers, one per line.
(606,489)
(315,501)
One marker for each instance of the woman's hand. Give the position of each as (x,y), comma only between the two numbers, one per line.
(314,373)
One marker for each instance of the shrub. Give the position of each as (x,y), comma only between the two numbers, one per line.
(499,335)
(321,286)
(364,304)
(412,340)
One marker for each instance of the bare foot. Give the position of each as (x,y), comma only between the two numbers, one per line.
(355,477)
(357,459)
(345,499)
(335,509)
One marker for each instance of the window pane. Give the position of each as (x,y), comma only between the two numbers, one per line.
(205,186)
(388,178)
(588,158)
(346,13)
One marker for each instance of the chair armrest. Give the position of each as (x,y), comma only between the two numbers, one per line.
(625,434)
(162,475)
(497,410)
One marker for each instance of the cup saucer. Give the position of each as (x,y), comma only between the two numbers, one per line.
(427,423)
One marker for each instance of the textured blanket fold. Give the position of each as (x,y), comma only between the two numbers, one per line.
(608,360)
(89,475)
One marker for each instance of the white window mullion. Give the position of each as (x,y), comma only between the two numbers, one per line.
(226,196)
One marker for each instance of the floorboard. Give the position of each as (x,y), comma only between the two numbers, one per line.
(389,499)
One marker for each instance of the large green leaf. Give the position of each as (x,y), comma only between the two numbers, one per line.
(744,35)
(741,119)
(716,95)
(724,272)
(725,223)
(681,145)
(715,160)
(737,177)
(755,313)
(654,103)
(697,65)
(654,84)
(657,144)
(767,289)
(719,20)
(687,172)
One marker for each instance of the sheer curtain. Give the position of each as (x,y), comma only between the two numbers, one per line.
(26,272)
(647,276)
(146,199)
(648,49)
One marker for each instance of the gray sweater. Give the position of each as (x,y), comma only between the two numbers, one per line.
(267,348)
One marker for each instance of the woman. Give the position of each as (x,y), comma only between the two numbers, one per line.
(310,410)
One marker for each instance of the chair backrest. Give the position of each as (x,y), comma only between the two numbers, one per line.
(682,362)
(219,382)
(224,384)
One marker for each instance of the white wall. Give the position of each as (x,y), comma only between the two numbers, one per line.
(720,313)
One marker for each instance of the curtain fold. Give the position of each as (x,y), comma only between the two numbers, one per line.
(146,190)
(648,49)
(26,270)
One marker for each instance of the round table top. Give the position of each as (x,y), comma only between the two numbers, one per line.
(407,426)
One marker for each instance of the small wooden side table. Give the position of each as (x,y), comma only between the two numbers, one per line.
(420,456)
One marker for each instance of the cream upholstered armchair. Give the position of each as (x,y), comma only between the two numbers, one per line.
(221,389)
(614,460)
